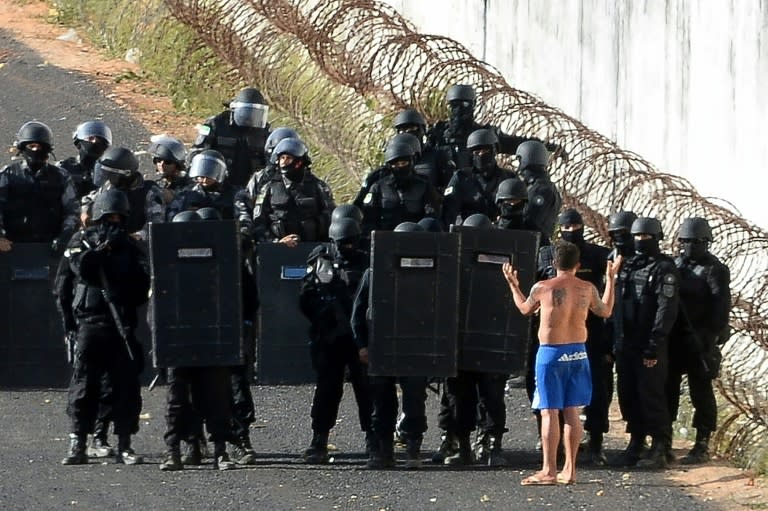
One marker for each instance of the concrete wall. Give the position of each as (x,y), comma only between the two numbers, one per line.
(681,82)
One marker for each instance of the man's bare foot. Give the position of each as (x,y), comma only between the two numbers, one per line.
(539,479)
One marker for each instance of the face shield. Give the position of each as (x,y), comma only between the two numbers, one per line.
(249,115)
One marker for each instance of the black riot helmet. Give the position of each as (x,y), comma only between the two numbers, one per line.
(410,121)
(274,138)
(210,164)
(430,224)
(398,151)
(695,228)
(511,189)
(344,229)
(170,149)
(621,221)
(478,221)
(186,216)
(460,93)
(34,131)
(650,226)
(409,227)
(532,153)
(570,217)
(110,202)
(347,211)
(89,129)
(208,213)
(482,137)
(118,165)
(407,138)
(249,109)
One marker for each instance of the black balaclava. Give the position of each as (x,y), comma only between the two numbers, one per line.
(89,152)
(511,215)
(624,242)
(485,163)
(649,247)
(35,159)
(694,250)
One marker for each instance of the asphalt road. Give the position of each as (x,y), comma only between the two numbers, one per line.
(34,426)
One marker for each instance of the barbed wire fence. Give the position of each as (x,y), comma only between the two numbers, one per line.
(341,68)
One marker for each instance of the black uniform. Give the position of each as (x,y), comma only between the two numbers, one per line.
(37,207)
(452,138)
(81,173)
(196,197)
(89,277)
(544,200)
(648,295)
(328,307)
(384,391)
(471,192)
(242,147)
(702,325)
(391,202)
(284,207)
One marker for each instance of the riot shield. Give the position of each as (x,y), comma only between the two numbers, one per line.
(413,299)
(282,356)
(196,302)
(32,350)
(493,335)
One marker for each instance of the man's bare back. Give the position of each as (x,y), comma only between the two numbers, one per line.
(564,302)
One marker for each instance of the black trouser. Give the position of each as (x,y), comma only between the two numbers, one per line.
(384,393)
(104,415)
(642,393)
(243,412)
(602,393)
(330,361)
(701,391)
(468,390)
(101,351)
(445,417)
(195,394)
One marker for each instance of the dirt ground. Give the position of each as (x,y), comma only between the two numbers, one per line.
(718,482)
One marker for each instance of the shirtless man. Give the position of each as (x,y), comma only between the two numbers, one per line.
(563,379)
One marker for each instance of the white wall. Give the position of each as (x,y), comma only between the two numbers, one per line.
(683,83)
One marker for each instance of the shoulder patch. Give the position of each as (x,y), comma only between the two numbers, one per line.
(368,198)
(203,129)
(669,285)
(448,191)
(669,278)
(538,200)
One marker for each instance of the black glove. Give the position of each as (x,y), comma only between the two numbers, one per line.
(650,352)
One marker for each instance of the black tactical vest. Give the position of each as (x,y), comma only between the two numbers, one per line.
(34,211)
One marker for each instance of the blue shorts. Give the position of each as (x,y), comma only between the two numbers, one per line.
(563,378)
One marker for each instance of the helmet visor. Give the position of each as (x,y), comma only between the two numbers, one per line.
(250,115)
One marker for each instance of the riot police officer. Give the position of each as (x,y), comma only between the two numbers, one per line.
(701,328)
(511,200)
(239,133)
(37,199)
(384,391)
(544,200)
(648,289)
(169,158)
(619,225)
(474,191)
(101,281)
(435,164)
(451,135)
(401,196)
(261,176)
(334,272)
(294,205)
(195,394)
(121,171)
(91,139)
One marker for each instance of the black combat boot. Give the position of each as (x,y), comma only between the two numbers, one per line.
(595,449)
(657,457)
(370,442)
(482,446)
(242,451)
(76,454)
(448,447)
(317,453)
(192,453)
(172,460)
(464,455)
(636,449)
(496,456)
(221,460)
(700,451)
(383,456)
(99,447)
(125,454)
(413,453)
